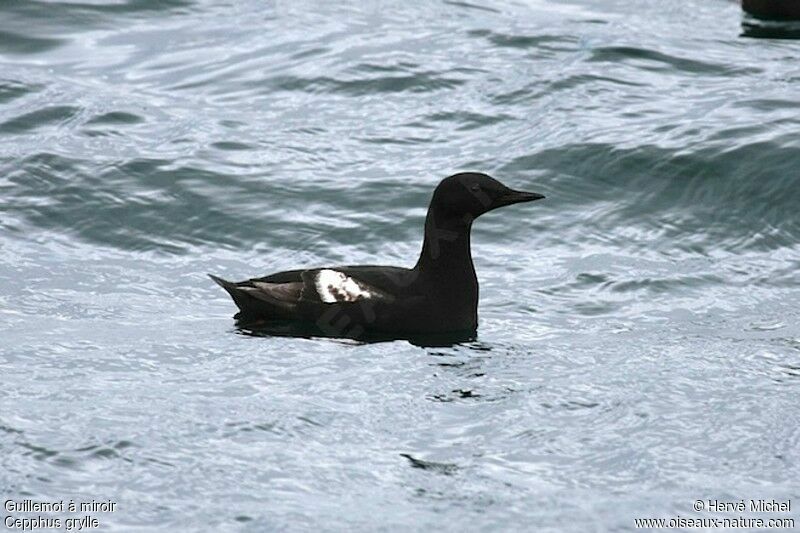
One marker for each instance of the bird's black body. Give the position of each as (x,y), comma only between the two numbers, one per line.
(438,295)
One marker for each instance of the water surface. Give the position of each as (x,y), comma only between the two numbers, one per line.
(639,339)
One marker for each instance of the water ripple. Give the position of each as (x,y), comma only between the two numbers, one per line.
(647,59)
(14,43)
(11,89)
(419,82)
(47,117)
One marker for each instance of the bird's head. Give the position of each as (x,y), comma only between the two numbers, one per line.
(468,195)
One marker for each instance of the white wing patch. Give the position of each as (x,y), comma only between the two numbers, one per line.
(333,286)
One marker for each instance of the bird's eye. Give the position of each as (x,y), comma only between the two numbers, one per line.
(475,187)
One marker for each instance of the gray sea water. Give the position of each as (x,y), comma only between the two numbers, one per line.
(639,338)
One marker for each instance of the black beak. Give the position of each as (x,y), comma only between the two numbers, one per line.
(516,197)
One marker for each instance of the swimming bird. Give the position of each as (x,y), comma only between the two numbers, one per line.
(438,295)
(772,9)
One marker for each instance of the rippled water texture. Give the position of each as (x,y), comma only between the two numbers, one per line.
(638,347)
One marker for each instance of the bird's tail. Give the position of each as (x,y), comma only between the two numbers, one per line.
(249,306)
(240,297)
(225,284)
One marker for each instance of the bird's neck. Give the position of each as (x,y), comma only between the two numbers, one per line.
(446,249)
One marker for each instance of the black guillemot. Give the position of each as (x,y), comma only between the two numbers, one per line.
(438,295)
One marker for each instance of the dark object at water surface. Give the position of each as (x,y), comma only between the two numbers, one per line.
(773,9)
(438,295)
